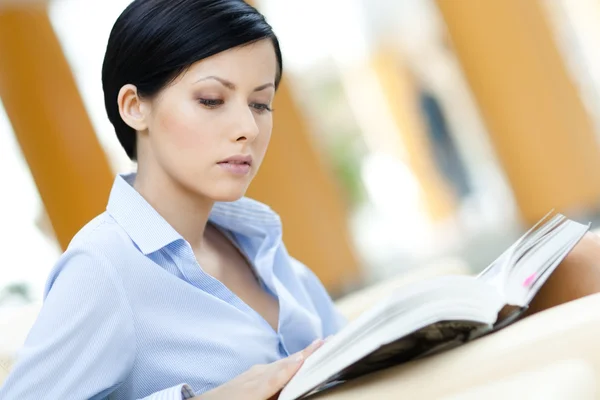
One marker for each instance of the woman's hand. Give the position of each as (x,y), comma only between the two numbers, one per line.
(261,382)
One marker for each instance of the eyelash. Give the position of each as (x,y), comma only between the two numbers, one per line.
(261,107)
(211,103)
(214,103)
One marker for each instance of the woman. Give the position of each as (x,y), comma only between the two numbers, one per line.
(183,288)
(181,280)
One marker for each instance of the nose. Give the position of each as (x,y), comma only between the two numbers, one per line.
(246,128)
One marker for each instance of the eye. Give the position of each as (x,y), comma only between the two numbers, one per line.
(211,103)
(261,107)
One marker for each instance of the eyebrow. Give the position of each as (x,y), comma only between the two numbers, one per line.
(231,86)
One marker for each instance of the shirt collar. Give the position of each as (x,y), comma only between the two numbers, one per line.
(151,232)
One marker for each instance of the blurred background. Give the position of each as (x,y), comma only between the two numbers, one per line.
(407,133)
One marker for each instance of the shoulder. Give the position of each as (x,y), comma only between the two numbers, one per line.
(304,274)
(331,319)
(299,272)
(101,233)
(92,257)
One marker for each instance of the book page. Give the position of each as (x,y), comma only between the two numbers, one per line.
(427,341)
(532,270)
(420,319)
(497,272)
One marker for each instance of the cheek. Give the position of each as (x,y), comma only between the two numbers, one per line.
(183,139)
(181,131)
(262,142)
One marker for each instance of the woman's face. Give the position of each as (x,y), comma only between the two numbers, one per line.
(209,130)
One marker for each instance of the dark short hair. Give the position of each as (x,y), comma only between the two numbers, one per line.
(154,41)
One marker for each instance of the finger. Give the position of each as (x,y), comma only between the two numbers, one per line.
(314,346)
(279,374)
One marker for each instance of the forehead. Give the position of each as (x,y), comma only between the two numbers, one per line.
(253,63)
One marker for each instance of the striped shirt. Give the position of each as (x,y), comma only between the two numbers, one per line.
(129,313)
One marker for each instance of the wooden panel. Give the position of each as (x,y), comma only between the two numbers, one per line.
(50,122)
(537,122)
(295,183)
(401,95)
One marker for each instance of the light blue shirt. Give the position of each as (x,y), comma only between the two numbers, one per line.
(129,313)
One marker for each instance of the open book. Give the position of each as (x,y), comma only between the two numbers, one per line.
(440,313)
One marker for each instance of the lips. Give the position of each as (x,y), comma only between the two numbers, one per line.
(235,162)
(239,159)
(238,165)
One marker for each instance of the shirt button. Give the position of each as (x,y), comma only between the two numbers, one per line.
(282,348)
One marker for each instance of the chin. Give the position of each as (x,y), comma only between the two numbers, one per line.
(231,194)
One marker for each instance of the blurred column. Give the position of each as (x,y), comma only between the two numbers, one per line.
(49,119)
(385,98)
(401,93)
(537,122)
(299,187)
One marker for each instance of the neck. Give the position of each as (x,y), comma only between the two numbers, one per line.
(184,210)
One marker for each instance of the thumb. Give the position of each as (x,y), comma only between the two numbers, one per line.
(285,369)
(280,373)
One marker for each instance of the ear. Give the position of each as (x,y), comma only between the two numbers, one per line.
(132,108)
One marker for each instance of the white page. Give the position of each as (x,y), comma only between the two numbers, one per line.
(544,257)
(410,309)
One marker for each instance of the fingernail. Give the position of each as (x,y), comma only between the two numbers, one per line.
(298,358)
